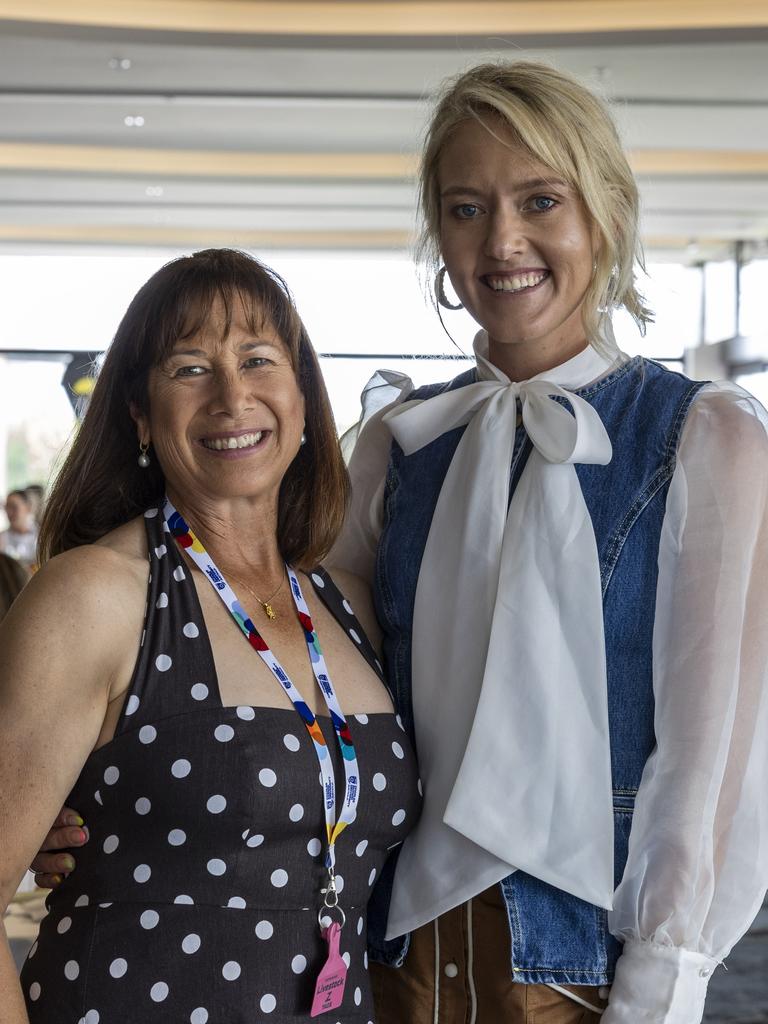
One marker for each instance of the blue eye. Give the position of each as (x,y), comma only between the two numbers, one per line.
(467,211)
(543,203)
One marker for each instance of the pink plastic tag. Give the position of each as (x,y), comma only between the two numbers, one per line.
(329,990)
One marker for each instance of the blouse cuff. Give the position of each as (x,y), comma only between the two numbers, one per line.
(658,985)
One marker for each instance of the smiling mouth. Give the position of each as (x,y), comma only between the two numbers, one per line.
(233,442)
(515,282)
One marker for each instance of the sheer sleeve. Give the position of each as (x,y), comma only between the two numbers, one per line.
(698,852)
(366,448)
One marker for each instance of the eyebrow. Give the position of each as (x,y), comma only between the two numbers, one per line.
(523,186)
(245,347)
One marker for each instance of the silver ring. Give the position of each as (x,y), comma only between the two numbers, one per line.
(325,912)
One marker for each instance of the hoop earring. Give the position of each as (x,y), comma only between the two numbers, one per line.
(143,459)
(440,295)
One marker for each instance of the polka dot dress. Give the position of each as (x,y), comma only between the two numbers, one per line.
(196,898)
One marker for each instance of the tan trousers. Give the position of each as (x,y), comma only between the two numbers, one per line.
(457,972)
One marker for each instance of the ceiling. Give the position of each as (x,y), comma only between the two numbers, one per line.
(296,125)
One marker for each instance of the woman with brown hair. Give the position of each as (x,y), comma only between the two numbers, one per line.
(173,633)
(13,576)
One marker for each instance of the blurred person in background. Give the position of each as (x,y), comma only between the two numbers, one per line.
(173,637)
(36,496)
(20,539)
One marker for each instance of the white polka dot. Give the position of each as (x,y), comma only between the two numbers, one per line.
(180,769)
(162,601)
(82,901)
(216,866)
(186,900)
(216,804)
(247,714)
(158,992)
(143,806)
(132,705)
(355,636)
(339,883)
(147,734)
(142,873)
(149,919)
(267,777)
(397,750)
(64,925)
(163,662)
(179,574)
(362,719)
(359,926)
(190,943)
(398,817)
(190,631)
(347,959)
(111,775)
(420,788)
(347,607)
(150,513)
(161,550)
(325,922)
(298,964)
(33,950)
(199,1016)
(236,903)
(279,878)
(318,580)
(314,846)
(361,847)
(379,782)
(264,930)
(223,733)
(199,691)
(296,813)
(34,991)
(92,1017)
(372,877)
(358,996)
(254,841)
(291,742)
(97,798)
(231,970)
(267,1003)
(365,959)
(71,970)
(111,843)
(105,905)
(177,837)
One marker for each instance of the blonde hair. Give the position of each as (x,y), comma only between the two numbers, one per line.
(563,125)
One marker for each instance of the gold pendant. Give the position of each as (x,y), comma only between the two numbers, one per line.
(270,611)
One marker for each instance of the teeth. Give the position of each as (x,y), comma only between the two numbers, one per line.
(516,283)
(221,444)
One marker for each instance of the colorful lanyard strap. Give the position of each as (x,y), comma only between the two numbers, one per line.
(187,540)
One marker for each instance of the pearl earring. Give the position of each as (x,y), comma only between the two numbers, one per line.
(303,440)
(143,459)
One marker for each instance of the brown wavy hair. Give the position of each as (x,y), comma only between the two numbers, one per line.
(101,486)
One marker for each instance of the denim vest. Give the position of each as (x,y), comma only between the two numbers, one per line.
(556,937)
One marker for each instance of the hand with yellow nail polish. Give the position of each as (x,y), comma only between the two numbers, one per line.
(50,866)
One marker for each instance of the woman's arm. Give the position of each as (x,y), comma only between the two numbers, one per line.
(62,646)
(698,852)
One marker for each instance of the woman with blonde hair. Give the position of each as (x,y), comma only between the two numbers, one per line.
(570,558)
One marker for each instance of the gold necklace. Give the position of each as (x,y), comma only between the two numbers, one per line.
(269,611)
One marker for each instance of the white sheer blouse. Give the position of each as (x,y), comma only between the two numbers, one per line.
(697,869)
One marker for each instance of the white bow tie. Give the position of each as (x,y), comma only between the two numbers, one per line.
(509,678)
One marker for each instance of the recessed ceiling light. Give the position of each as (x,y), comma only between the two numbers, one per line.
(120,63)
(133,121)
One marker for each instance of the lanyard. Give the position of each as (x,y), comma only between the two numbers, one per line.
(187,540)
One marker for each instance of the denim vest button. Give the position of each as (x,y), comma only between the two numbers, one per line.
(451,970)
